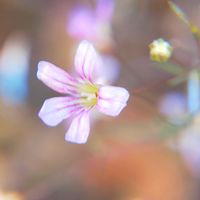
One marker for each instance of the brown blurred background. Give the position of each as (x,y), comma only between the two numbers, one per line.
(136,156)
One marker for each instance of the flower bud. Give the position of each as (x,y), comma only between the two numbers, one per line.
(160,50)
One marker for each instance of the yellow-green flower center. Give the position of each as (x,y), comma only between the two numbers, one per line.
(88,94)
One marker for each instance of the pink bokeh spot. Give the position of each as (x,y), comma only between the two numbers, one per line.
(82,23)
(91,24)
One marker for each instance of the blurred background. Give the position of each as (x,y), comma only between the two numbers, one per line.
(151,151)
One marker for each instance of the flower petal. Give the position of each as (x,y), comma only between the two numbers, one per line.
(87,61)
(56,109)
(79,129)
(114,93)
(110,107)
(55,78)
(112,100)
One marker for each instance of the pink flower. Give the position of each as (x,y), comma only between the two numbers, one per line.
(83,94)
(92,24)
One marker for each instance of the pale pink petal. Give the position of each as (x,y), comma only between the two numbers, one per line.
(79,129)
(87,61)
(55,78)
(112,100)
(113,93)
(110,107)
(56,109)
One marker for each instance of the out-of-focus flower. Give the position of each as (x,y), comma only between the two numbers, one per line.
(10,196)
(82,23)
(14,63)
(93,25)
(182,16)
(84,93)
(174,107)
(193,92)
(160,50)
(104,9)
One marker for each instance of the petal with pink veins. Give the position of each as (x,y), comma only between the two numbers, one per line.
(87,61)
(55,78)
(56,109)
(79,129)
(112,100)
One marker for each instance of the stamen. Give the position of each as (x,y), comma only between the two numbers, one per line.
(88,94)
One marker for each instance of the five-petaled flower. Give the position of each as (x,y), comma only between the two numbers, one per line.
(84,93)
